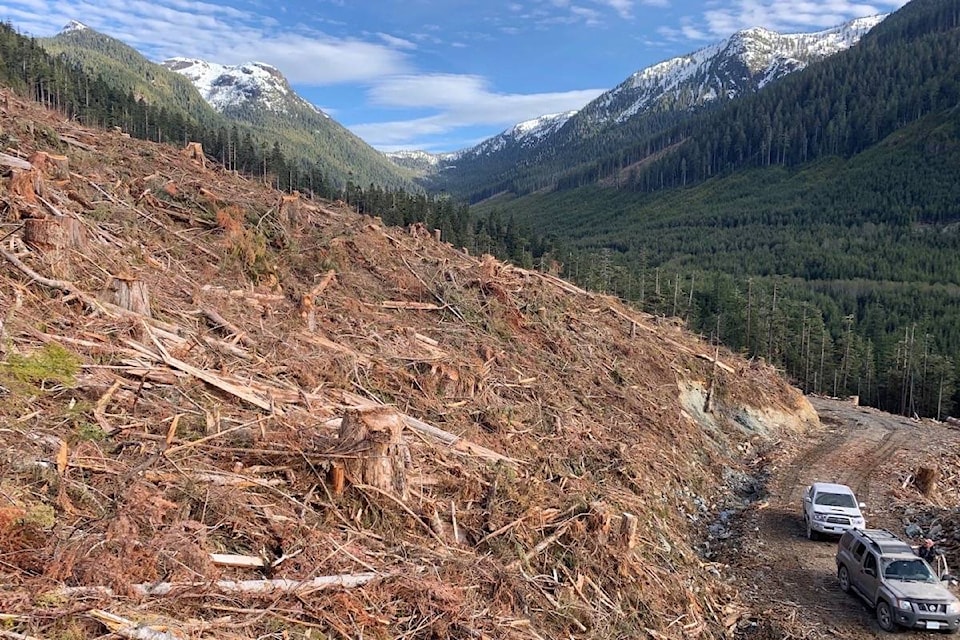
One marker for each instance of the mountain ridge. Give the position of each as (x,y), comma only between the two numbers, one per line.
(255,96)
(648,100)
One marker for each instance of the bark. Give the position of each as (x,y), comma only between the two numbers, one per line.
(54,233)
(131,294)
(374,452)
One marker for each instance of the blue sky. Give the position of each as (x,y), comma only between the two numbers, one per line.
(438,75)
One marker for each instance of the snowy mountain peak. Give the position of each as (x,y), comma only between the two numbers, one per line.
(539,127)
(74,25)
(227,87)
(526,134)
(747,61)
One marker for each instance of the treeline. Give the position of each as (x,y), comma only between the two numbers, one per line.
(893,344)
(58,84)
(904,69)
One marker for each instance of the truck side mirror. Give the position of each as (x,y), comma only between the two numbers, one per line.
(862,505)
(870,572)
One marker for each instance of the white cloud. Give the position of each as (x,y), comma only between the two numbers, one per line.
(789,16)
(395,42)
(165,28)
(460,101)
(623,7)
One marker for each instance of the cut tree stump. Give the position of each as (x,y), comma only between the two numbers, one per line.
(54,233)
(194,151)
(926,479)
(55,166)
(131,294)
(290,210)
(26,184)
(371,441)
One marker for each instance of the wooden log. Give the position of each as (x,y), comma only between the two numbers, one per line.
(628,530)
(13,162)
(379,456)
(131,294)
(54,233)
(280,585)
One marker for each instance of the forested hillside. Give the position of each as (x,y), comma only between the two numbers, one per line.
(816,223)
(311,143)
(59,84)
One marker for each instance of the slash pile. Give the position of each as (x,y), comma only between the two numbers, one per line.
(231,413)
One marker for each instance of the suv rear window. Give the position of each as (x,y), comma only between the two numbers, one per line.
(858,550)
(835,500)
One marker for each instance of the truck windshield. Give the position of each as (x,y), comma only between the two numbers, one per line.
(835,500)
(910,570)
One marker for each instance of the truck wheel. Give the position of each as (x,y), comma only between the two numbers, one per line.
(885,616)
(843,577)
(811,534)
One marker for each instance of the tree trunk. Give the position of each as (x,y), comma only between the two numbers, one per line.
(131,294)
(54,233)
(290,210)
(371,441)
(926,480)
(26,184)
(194,151)
(55,166)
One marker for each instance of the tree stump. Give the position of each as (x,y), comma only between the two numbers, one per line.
(131,294)
(54,233)
(374,453)
(194,151)
(55,166)
(290,210)
(926,479)
(26,184)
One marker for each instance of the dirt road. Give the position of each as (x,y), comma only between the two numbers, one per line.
(792,580)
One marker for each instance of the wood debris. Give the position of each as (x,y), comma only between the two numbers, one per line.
(293,417)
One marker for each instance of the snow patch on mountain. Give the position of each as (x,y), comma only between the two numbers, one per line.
(748,60)
(74,25)
(225,86)
(422,157)
(528,133)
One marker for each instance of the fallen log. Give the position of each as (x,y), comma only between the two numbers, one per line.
(280,585)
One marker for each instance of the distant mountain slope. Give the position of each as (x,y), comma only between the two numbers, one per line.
(256,97)
(648,102)
(742,64)
(834,191)
(127,70)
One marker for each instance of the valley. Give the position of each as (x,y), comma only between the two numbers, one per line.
(259,381)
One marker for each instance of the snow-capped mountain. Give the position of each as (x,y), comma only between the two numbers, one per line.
(421,161)
(651,99)
(744,63)
(526,135)
(74,25)
(227,88)
(523,136)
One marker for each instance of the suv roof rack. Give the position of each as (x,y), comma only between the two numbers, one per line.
(884,541)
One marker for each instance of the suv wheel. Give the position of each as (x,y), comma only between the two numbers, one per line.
(843,577)
(885,616)
(811,534)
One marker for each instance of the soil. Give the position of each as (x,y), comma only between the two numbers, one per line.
(791,580)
